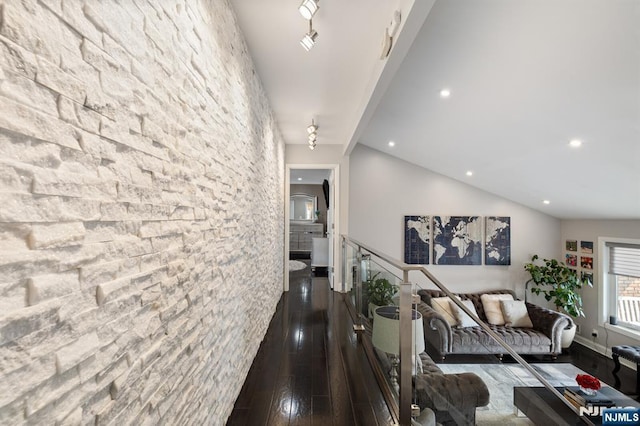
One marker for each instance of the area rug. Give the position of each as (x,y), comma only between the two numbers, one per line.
(501,379)
(296,265)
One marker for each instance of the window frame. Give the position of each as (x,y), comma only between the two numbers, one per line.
(607,305)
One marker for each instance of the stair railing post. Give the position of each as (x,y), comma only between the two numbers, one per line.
(406,351)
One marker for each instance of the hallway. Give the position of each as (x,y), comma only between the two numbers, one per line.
(309,369)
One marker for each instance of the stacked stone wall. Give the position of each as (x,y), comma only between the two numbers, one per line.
(141,212)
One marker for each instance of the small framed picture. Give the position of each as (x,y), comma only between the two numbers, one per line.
(572,245)
(586,247)
(587,276)
(586,262)
(571,260)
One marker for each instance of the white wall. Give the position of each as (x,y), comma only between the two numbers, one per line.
(141,222)
(384,189)
(591,230)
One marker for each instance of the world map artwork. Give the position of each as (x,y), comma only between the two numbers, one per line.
(417,234)
(497,250)
(457,240)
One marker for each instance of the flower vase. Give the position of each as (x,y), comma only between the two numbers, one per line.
(587,391)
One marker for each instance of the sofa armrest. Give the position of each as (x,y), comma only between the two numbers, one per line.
(437,330)
(458,394)
(551,323)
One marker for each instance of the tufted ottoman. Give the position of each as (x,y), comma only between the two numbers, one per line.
(632,353)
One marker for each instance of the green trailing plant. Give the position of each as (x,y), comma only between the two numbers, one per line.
(558,283)
(380,290)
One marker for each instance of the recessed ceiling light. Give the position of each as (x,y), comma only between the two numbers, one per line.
(575,143)
(299,178)
(546,202)
(392,144)
(469,173)
(445,93)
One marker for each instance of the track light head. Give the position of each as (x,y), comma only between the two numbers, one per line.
(309,40)
(308,8)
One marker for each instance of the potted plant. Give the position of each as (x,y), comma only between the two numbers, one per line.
(380,292)
(560,285)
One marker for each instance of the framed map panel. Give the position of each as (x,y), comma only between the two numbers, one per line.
(417,235)
(457,240)
(497,240)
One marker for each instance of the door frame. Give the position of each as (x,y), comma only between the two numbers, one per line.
(335,190)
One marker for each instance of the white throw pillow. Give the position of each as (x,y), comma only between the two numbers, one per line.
(515,314)
(442,306)
(463,319)
(492,309)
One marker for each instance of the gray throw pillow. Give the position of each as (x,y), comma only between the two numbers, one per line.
(515,314)
(463,319)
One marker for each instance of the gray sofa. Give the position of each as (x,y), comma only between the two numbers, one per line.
(452,397)
(543,338)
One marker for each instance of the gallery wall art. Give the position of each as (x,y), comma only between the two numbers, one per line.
(582,262)
(497,249)
(417,237)
(457,240)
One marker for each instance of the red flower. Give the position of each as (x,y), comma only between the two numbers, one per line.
(588,382)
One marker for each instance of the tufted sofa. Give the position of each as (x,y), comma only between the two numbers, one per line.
(452,397)
(543,338)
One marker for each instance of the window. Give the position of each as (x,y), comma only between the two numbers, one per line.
(623,282)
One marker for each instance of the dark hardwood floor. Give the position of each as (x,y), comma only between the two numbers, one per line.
(310,369)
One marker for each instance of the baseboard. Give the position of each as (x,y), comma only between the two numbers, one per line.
(602,350)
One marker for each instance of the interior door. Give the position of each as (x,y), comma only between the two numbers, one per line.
(330,226)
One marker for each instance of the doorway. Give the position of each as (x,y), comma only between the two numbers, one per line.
(311,213)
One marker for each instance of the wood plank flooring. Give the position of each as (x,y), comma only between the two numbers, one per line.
(310,369)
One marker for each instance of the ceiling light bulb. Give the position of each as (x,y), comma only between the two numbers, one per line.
(308,8)
(469,173)
(445,93)
(299,178)
(309,40)
(575,143)
(313,137)
(312,146)
(392,144)
(546,202)
(312,128)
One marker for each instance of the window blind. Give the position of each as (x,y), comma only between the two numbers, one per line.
(624,260)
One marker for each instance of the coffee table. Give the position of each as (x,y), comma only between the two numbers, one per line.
(544,408)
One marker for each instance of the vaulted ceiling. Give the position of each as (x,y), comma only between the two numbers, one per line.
(525,78)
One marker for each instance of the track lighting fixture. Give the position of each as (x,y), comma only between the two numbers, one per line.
(308,8)
(309,38)
(312,129)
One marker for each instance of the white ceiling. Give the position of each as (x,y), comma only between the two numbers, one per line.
(309,176)
(525,77)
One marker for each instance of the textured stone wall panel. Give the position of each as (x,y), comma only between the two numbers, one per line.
(141,234)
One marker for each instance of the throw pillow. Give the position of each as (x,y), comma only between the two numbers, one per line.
(515,314)
(492,309)
(464,320)
(442,306)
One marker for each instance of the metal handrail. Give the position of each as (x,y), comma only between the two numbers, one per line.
(406,269)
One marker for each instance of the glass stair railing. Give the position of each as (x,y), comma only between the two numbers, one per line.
(398,329)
